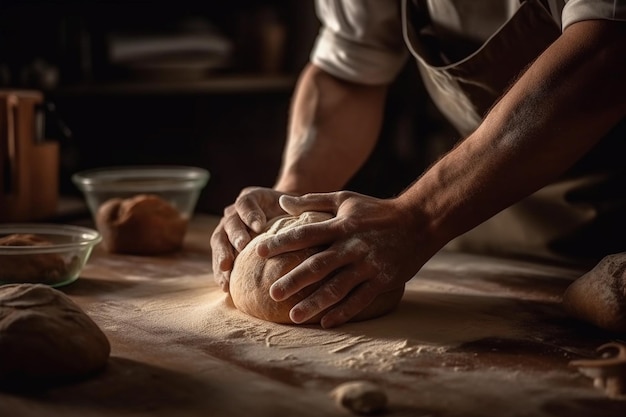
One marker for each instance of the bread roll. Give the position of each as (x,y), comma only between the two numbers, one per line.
(599,296)
(142,225)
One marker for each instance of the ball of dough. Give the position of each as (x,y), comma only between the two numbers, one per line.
(360,397)
(141,225)
(46,268)
(252,277)
(599,296)
(45,337)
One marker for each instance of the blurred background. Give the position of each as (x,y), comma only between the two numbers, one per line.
(206,84)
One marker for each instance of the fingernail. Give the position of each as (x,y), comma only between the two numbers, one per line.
(262,249)
(327,324)
(284,199)
(277,293)
(257,226)
(240,244)
(296,315)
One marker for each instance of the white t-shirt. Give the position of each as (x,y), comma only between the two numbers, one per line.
(361,40)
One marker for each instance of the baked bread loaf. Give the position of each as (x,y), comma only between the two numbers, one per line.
(46,338)
(144,224)
(30,268)
(599,296)
(252,276)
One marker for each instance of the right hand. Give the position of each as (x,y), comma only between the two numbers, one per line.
(242,220)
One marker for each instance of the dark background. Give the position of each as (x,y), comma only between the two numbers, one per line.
(231,121)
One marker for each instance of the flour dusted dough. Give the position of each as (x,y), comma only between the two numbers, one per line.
(599,296)
(141,225)
(360,397)
(45,337)
(252,277)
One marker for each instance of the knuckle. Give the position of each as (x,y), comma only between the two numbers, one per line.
(297,233)
(229,210)
(349,224)
(287,284)
(215,237)
(312,304)
(248,190)
(316,264)
(343,314)
(253,216)
(356,248)
(343,195)
(332,291)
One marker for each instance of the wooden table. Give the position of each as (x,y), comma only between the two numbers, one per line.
(473,336)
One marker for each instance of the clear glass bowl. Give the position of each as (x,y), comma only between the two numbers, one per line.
(179,185)
(56,261)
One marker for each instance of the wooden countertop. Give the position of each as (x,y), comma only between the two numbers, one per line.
(473,336)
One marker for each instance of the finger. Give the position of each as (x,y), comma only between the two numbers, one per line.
(299,237)
(250,211)
(330,293)
(237,232)
(311,270)
(223,258)
(361,297)
(327,202)
(224,280)
(221,277)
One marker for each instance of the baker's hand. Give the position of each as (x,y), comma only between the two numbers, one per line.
(372,247)
(242,220)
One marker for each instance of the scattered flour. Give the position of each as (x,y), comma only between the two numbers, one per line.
(430,320)
(156,308)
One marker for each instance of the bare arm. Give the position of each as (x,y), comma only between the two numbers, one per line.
(567,100)
(556,112)
(333,128)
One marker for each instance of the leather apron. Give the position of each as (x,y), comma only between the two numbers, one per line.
(579,218)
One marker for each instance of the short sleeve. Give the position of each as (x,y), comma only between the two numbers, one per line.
(360,40)
(578,10)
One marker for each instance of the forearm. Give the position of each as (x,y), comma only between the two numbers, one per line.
(333,128)
(561,107)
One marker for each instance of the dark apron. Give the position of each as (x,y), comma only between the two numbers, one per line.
(579,218)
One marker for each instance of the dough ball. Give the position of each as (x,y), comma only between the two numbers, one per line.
(141,225)
(45,337)
(360,397)
(252,277)
(47,268)
(599,296)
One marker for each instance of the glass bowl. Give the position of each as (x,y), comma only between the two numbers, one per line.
(110,193)
(179,185)
(50,254)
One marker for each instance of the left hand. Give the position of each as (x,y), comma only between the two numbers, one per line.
(373,247)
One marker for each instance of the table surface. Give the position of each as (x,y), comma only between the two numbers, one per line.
(473,336)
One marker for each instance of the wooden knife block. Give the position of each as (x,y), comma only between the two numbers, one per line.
(29,165)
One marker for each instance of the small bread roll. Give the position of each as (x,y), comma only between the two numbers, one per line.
(360,397)
(142,225)
(252,276)
(599,296)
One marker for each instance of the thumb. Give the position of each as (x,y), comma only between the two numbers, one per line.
(308,202)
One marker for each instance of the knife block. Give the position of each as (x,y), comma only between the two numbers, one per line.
(29,164)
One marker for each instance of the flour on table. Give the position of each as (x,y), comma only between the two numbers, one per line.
(430,320)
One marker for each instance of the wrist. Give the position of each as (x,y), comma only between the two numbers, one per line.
(426,227)
(288,185)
